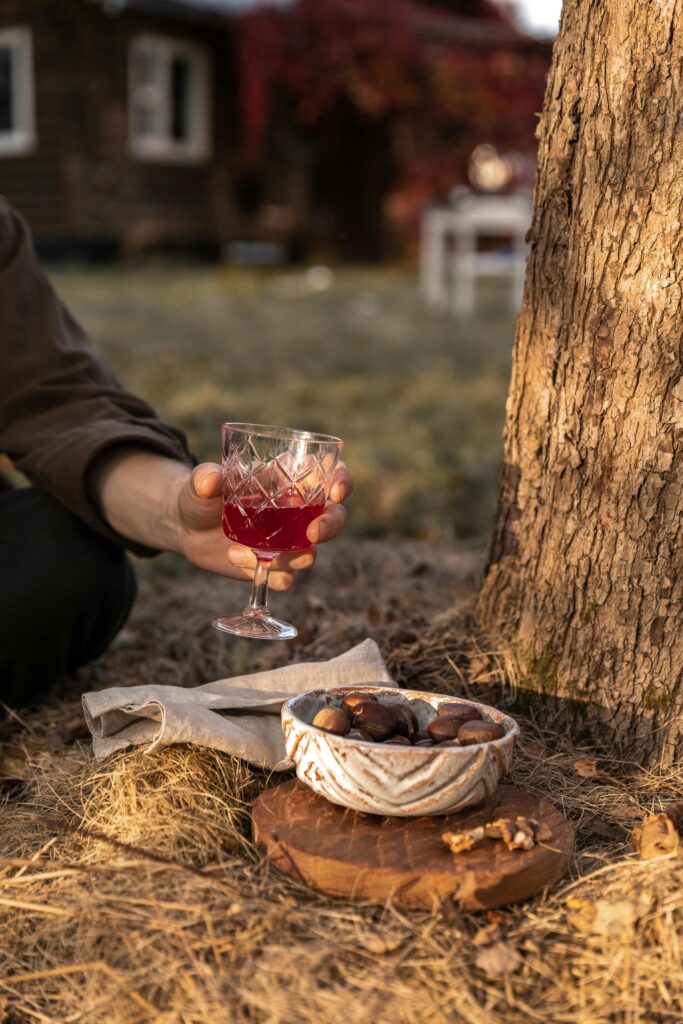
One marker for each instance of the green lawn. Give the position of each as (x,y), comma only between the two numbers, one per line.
(418,398)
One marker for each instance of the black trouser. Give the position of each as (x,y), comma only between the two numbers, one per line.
(65,592)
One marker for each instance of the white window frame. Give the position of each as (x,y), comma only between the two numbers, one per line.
(21,138)
(161,147)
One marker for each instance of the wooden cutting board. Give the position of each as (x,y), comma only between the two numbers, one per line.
(370,859)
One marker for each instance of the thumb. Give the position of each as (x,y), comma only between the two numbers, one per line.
(207,480)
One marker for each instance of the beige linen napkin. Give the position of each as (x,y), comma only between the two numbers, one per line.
(240,716)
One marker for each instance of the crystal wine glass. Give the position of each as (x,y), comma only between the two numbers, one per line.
(275,482)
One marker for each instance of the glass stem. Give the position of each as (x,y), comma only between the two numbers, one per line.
(258,602)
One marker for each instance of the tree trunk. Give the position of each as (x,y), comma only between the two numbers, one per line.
(584,577)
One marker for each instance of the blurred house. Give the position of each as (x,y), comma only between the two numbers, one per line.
(129,124)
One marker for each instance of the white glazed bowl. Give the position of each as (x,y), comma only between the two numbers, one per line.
(401,781)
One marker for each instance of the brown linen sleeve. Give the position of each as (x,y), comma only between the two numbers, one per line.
(61,404)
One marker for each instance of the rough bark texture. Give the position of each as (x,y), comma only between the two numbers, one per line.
(585,569)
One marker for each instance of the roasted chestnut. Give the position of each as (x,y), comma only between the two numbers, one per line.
(463,712)
(334,720)
(480,732)
(374,720)
(444,728)
(351,700)
(405,721)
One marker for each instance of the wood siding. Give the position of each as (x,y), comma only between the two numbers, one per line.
(80,183)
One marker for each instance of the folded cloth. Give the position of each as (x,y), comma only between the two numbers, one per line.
(240,716)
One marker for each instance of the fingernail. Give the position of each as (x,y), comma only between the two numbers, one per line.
(238,557)
(323,532)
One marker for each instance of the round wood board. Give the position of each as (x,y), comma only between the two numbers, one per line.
(370,859)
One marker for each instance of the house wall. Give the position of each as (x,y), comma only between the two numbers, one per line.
(81,184)
(36,182)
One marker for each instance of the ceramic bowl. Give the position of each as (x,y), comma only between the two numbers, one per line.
(401,781)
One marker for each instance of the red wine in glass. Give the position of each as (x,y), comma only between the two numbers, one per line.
(269,530)
(275,483)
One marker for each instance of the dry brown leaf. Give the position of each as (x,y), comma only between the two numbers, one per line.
(614,919)
(586,767)
(497,960)
(656,838)
(626,811)
(675,812)
(607,829)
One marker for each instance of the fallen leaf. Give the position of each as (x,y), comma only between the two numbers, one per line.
(656,838)
(586,767)
(607,829)
(614,919)
(498,960)
(675,812)
(626,811)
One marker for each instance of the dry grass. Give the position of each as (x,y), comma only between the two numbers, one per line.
(130,892)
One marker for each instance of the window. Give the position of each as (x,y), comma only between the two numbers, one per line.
(169,100)
(17,119)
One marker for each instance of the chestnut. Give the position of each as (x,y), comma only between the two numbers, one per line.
(355,734)
(423,743)
(444,728)
(351,700)
(405,721)
(480,732)
(456,709)
(334,720)
(398,741)
(374,720)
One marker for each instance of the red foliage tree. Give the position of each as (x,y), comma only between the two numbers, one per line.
(445,80)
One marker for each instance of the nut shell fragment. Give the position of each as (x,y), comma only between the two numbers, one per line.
(518,833)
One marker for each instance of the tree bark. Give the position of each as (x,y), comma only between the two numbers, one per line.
(584,577)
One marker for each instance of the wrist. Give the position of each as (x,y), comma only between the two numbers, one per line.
(137,492)
(171,527)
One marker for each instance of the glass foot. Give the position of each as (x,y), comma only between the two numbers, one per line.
(257,626)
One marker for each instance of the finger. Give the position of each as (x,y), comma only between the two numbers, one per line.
(282,580)
(342,483)
(244,557)
(328,525)
(207,480)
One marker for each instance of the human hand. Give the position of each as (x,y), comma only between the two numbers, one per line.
(202,541)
